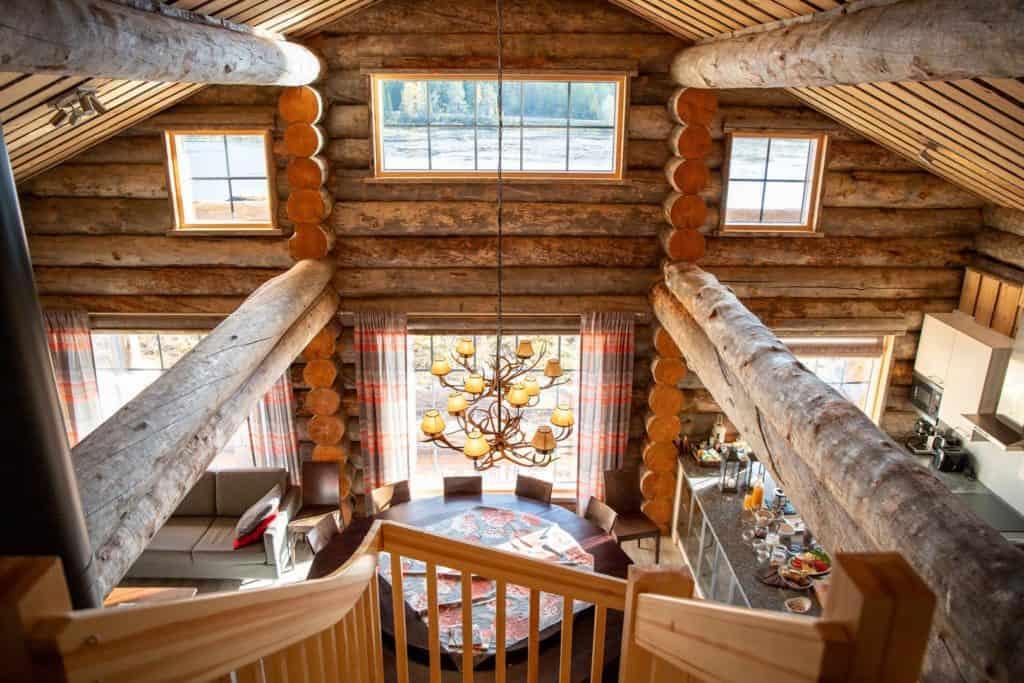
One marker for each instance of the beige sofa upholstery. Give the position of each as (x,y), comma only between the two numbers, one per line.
(196,542)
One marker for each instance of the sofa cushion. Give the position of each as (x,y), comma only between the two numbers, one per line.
(179,534)
(237,490)
(201,500)
(259,511)
(216,546)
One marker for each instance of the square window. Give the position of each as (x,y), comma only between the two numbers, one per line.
(221,182)
(550,126)
(773,182)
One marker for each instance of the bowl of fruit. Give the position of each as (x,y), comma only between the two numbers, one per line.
(815,562)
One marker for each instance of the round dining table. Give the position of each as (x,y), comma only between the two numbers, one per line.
(608,557)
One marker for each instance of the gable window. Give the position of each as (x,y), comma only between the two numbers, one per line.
(222,180)
(856,367)
(431,464)
(774,182)
(555,126)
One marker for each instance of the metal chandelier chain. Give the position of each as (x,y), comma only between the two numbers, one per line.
(500,193)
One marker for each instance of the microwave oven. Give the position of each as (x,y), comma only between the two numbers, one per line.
(925,395)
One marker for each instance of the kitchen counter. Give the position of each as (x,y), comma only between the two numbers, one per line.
(723,513)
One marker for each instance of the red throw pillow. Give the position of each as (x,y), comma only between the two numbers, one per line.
(256,534)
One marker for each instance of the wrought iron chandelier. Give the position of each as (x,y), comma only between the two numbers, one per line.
(489,408)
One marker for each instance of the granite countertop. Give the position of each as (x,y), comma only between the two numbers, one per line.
(724,512)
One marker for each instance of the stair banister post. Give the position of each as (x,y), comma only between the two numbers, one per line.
(636,663)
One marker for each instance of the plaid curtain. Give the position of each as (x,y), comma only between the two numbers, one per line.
(67,335)
(381,384)
(272,428)
(606,391)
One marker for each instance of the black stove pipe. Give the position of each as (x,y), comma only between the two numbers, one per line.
(43,513)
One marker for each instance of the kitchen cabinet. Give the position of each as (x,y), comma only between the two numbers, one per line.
(934,349)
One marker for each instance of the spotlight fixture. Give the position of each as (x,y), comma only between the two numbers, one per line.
(75,107)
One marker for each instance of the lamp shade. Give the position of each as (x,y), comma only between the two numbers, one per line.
(553,368)
(440,367)
(475,384)
(476,446)
(543,441)
(525,348)
(465,347)
(532,386)
(562,416)
(517,396)
(432,424)
(456,403)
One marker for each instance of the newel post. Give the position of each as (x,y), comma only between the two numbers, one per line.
(636,663)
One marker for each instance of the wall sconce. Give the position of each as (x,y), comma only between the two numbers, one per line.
(76,107)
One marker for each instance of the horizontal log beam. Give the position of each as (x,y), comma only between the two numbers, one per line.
(1001,246)
(473,304)
(840,282)
(135,305)
(893,501)
(135,468)
(938,252)
(189,281)
(101,39)
(916,40)
(128,251)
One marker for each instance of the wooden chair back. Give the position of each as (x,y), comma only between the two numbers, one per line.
(463,486)
(622,491)
(536,489)
(383,497)
(600,514)
(320,483)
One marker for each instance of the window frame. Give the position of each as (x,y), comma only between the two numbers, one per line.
(621,78)
(816,171)
(174,186)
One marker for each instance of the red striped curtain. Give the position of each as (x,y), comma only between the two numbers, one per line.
(70,344)
(272,429)
(606,392)
(381,385)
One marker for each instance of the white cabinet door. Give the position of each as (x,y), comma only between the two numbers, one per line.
(966,376)
(934,350)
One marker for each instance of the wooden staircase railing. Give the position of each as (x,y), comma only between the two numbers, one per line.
(328,630)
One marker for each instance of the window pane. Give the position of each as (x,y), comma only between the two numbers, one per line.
(592,104)
(117,387)
(487,149)
(487,102)
(789,158)
(747,160)
(201,156)
(544,149)
(252,205)
(545,104)
(174,346)
(744,204)
(452,149)
(405,149)
(207,201)
(512,103)
(237,453)
(247,156)
(591,149)
(452,102)
(404,102)
(783,202)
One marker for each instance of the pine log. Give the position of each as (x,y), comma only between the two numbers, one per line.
(845,155)
(687,176)
(309,206)
(658,484)
(130,486)
(326,430)
(91,216)
(319,372)
(693,106)
(670,371)
(916,40)
(940,252)
(662,427)
(469,303)
(660,456)
(221,117)
(310,241)
(685,211)
(322,401)
(301,104)
(304,139)
(690,142)
(248,95)
(683,244)
(468,218)
(338,454)
(1001,246)
(889,222)
(1007,220)
(129,251)
(323,344)
(131,181)
(307,173)
(860,282)
(894,191)
(664,400)
(911,310)
(658,510)
(125,282)
(665,344)
(910,510)
(100,39)
(153,305)
(130,149)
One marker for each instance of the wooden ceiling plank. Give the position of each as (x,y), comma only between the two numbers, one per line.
(38,98)
(299,14)
(743,15)
(1012,87)
(327,17)
(657,16)
(8,77)
(693,14)
(894,135)
(965,98)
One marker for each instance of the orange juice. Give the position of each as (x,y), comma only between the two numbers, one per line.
(748,501)
(758,496)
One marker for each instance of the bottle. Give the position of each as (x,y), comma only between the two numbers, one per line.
(758,495)
(718,431)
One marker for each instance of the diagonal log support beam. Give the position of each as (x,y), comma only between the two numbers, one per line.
(135,468)
(852,481)
(148,42)
(914,40)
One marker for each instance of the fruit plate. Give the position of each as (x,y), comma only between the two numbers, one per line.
(804,567)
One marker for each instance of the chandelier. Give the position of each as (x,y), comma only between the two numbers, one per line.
(489,408)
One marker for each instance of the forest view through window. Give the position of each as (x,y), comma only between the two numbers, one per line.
(853,366)
(449,126)
(432,463)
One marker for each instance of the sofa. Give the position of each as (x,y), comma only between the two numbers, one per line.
(196,542)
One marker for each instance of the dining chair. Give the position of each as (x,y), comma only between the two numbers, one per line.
(531,487)
(383,497)
(600,515)
(622,494)
(463,486)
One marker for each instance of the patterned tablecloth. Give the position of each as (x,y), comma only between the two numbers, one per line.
(496,528)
